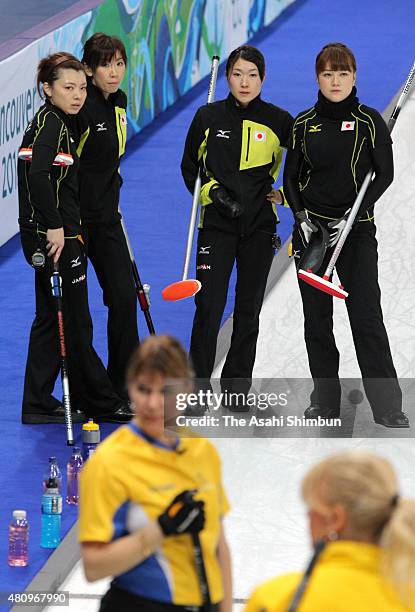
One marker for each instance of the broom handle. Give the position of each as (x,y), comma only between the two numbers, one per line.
(368,178)
(198,184)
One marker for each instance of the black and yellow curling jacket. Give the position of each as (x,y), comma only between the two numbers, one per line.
(102,135)
(48,194)
(333,147)
(239,148)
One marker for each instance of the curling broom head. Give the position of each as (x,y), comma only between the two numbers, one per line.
(322,283)
(181,290)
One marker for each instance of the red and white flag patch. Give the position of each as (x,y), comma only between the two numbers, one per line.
(260,136)
(347,125)
(123,119)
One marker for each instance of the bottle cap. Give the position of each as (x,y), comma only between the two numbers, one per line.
(90,426)
(76,450)
(19,514)
(52,459)
(51,483)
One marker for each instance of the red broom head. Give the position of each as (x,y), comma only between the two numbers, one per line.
(181,290)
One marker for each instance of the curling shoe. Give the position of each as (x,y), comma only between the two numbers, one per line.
(315,411)
(396,419)
(122,415)
(56,416)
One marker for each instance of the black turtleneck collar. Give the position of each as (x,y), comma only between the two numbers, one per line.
(96,93)
(337,110)
(66,118)
(237,107)
(94,90)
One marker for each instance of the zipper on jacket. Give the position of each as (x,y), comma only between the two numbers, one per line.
(247,145)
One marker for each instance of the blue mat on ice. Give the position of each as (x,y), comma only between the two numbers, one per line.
(156,207)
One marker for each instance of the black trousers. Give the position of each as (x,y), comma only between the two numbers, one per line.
(357,268)
(108,252)
(90,387)
(216,253)
(119,600)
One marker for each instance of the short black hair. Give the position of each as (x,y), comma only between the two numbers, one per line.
(100,48)
(249,54)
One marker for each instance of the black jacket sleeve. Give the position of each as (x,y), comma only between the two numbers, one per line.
(292,167)
(190,160)
(81,125)
(286,129)
(44,150)
(382,163)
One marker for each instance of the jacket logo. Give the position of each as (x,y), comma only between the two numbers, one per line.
(79,279)
(203,267)
(75,262)
(204,250)
(123,119)
(101,127)
(347,126)
(223,134)
(260,136)
(315,128)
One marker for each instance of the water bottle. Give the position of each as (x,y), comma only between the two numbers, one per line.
(18,540)
(91,437)
(51,515)
(53,471)
(74,466)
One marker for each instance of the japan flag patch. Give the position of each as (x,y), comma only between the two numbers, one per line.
(260,136)
(347,125)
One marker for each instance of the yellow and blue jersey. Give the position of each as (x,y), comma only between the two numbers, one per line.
(129,481)
(346,578)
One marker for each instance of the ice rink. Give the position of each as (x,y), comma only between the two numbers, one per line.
(266,527)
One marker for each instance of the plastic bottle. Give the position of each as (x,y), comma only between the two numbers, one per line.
(53,471)
(19,540)
(74,466)
(91,437)
(51,515)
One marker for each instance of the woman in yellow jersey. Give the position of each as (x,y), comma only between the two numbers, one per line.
(131,489)
(368,563)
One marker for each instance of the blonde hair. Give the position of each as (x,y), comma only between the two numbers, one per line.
(366,486)
(160,355)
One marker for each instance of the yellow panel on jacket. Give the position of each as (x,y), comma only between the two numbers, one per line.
(129,481)
(345,579)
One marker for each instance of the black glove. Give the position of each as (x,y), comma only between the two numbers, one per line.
(306,226)
(183,515)
(224,203)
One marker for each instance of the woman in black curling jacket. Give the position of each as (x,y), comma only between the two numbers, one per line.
(50,225)
(102,126)
(238,142)
(334,144)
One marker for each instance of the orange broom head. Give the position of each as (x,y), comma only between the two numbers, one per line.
(181,290)
(322,283)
